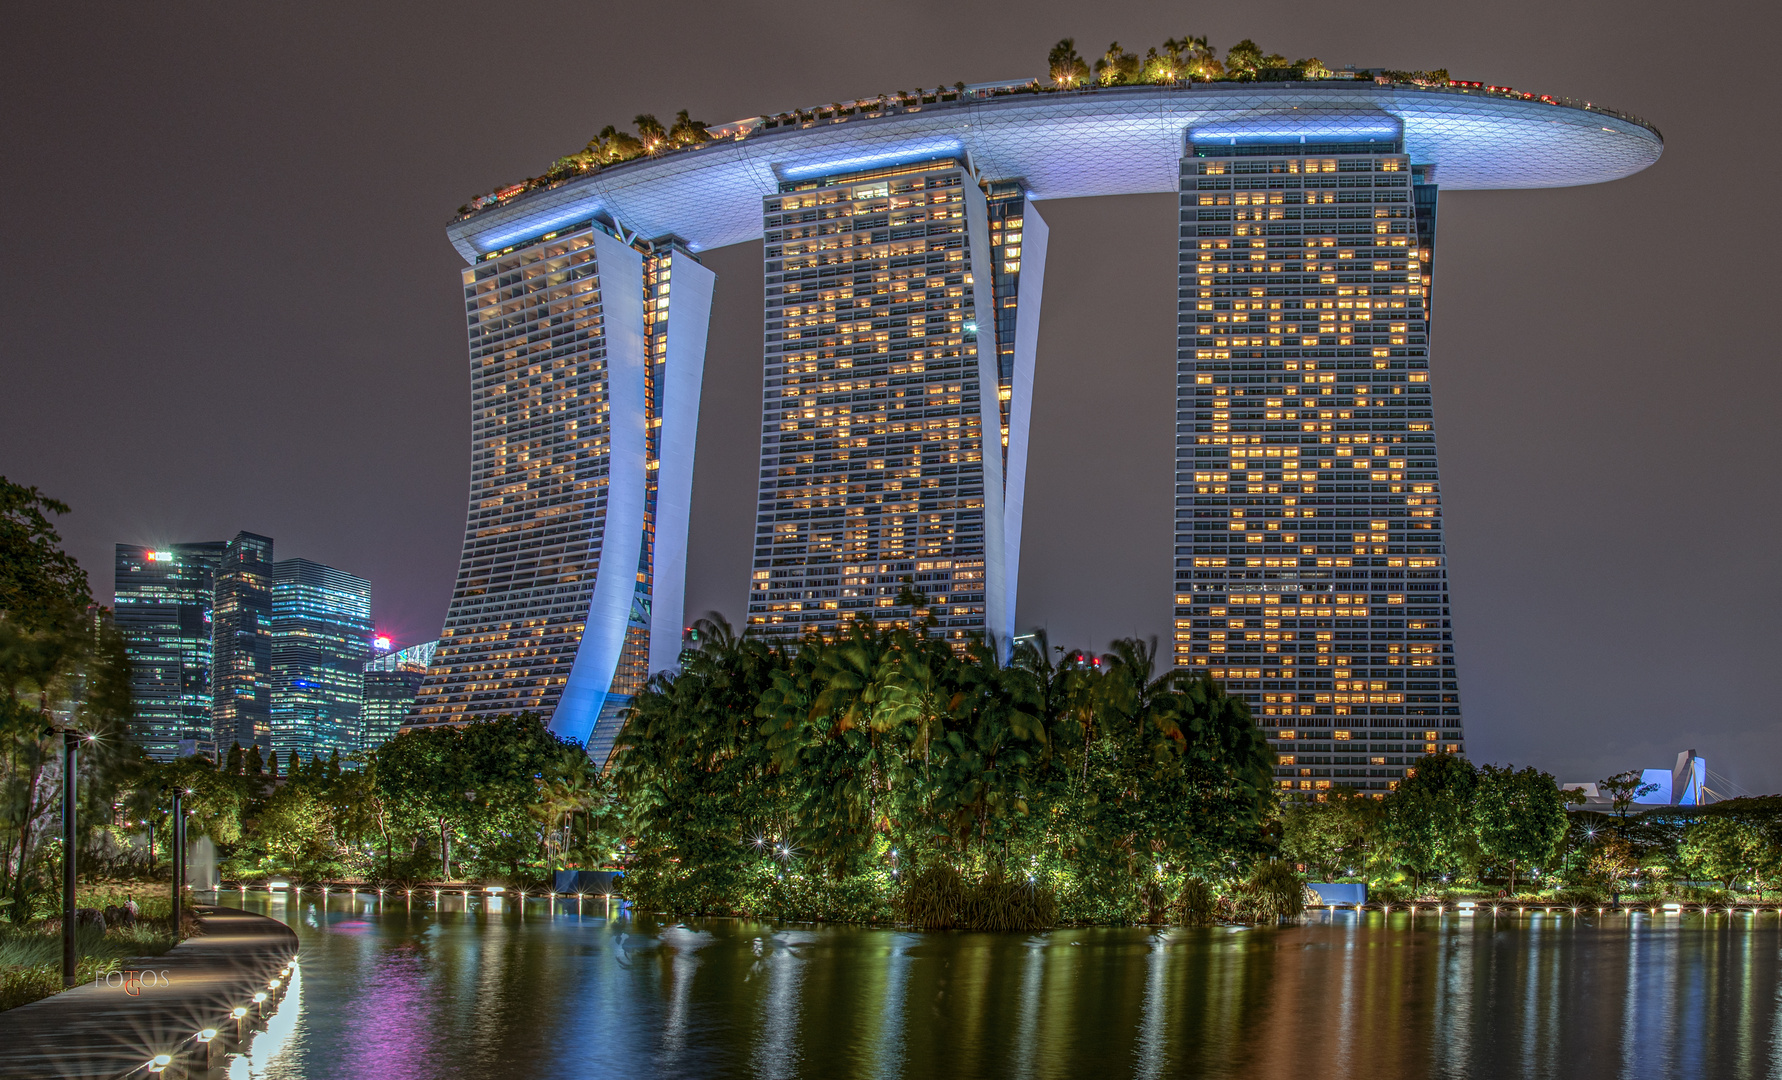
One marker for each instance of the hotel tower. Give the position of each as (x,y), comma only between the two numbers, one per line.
(904,258)
(896,400)
(1309,558)
(585,385)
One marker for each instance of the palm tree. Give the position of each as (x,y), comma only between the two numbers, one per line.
(1067,68)
(651,132)
(569,786)
(687,131)
(1116,67)
(1198,61)
(1164,69)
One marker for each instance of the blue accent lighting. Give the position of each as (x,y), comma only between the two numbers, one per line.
(913,152)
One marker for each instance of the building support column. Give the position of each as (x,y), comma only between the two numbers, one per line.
(1027,320)
(689,322)
(603,634)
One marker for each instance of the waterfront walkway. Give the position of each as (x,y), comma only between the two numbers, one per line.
(117,1027)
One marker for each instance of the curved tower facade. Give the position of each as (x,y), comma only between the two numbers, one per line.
(584,390)
(904,255)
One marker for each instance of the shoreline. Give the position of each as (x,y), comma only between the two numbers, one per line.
(161,1005)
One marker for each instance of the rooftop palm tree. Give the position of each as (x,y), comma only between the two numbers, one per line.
(1117,67)
(687,131)
(653,135)
(1067,69)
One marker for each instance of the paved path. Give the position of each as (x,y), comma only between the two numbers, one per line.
(108,1031)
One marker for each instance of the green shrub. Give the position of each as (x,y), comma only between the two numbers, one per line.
(1389,894)
(1274,892)
(934,899)
(1196,906)
(1000,903)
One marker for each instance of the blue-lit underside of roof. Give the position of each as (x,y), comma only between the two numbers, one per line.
(1110,142)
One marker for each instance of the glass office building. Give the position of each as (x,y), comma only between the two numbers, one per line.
(1310,573)
(162,599)
(391,683)
(241,645)
(321,636)
(585,397)
(896,400)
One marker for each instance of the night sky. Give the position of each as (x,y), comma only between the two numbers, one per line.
(229,304)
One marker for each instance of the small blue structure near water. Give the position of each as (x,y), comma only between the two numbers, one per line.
(1340,894)
(590,882)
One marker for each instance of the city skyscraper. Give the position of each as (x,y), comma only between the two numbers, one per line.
(903,258)
(890,414)
(585,397)
(1309,561)
(321,636)
(241,638)
(391,683)
(162,601)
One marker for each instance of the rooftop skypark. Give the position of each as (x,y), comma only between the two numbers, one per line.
(1183,64)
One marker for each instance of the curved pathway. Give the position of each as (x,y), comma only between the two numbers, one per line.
(116,1027)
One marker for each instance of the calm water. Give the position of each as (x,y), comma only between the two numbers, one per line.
(501,993)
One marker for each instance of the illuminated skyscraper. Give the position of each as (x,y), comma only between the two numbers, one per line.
(898,389)
(391,683)
(902,250)
(162,605)
(241,638)
(1309,555)
(584,399)
(321,635)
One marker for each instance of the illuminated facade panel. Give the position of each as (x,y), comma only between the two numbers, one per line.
(162,605)
(1310,573)
(552,608)
(321,635)
(241,645)
(1110,141)
(882,423)
(391,683)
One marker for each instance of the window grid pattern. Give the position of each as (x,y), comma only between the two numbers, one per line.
(241,645)
(1310,572)
(872,466)
(321,634)
(1004,206)
(162,605)
(539,468)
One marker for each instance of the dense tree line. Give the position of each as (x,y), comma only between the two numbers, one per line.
(822,778)
(881,775)
(62,667)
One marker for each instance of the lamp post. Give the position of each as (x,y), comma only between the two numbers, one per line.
(70,763)
(179,858)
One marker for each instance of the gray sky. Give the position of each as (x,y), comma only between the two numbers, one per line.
(230,304)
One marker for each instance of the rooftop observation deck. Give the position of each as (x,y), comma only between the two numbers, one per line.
(1073,143)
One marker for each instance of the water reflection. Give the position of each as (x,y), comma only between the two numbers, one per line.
(526,988)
